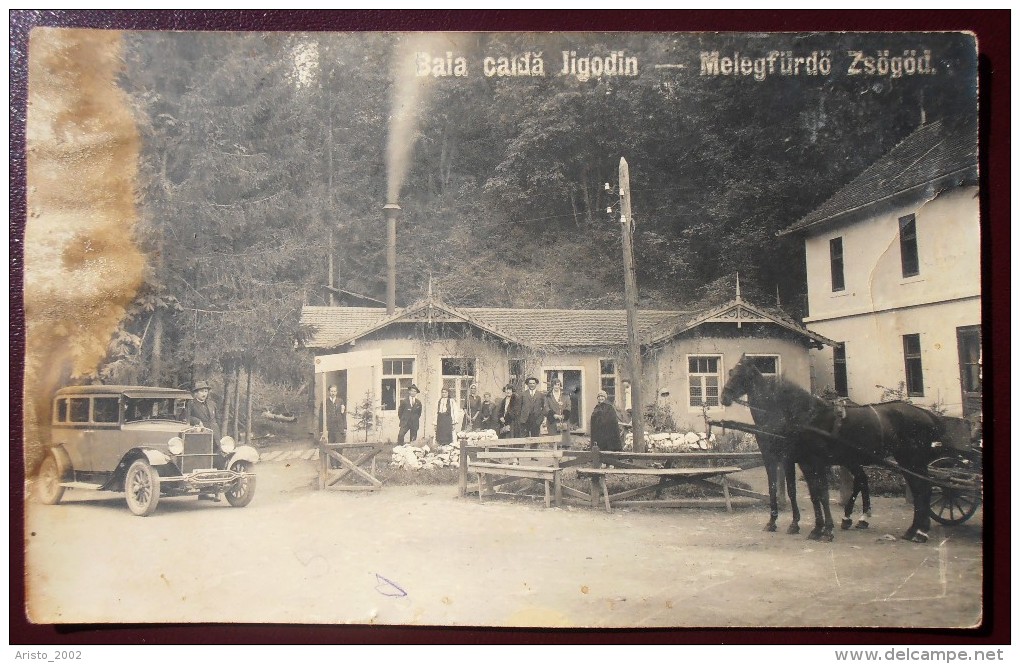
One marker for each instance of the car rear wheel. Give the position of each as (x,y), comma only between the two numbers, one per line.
(243,490)
(47,484)
(141,484)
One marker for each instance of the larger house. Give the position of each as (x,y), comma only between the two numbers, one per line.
(374,357)
(894,275)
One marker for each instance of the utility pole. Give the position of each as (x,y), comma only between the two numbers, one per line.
(631,296)
(332,301)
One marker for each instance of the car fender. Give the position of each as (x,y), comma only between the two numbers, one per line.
(243,453)
(63,459)
(155,457)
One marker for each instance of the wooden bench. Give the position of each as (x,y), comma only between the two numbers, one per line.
(522,460)
(541,465)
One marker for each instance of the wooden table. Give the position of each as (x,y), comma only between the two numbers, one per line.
(707,470)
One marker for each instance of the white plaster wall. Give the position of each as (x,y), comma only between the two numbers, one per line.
(666,371)
(874,351)
(948,246)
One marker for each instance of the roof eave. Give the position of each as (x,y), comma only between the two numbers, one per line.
(841,215)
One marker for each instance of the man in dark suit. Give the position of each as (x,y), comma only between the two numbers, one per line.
(532,408)
(409,412)
(335,420)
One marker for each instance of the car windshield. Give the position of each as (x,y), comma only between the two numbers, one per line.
(166,408)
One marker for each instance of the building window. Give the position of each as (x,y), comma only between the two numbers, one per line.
(912,364)
(458,374)
(908,246)
(839,370)
(704,379)
(398,375)
(516,369)
(968,341)
(767,365)
(836,263)
(607,379)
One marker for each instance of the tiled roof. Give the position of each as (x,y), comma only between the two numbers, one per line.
(572,327)
(333,324)
(538,328)
(559,328)
(933,152)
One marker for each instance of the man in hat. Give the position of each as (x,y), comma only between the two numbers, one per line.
(409,412)
(202,412)
(532,408)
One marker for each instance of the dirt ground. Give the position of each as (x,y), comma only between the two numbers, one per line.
(419,555)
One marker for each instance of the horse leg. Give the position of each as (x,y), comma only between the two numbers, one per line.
(921,489)
(791,492)
(811,476)
(860,487)
(865,498)
(772,470)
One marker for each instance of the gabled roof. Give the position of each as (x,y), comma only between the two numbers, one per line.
(737,311)
(936,154)
(536,328)
(364,321)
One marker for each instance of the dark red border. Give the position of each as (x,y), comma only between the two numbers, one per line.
(992,30)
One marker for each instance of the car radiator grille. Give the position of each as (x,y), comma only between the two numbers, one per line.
(198,452)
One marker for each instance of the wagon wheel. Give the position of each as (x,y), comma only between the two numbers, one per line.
(952,504)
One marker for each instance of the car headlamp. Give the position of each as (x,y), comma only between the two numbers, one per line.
(227,444)
(176,445)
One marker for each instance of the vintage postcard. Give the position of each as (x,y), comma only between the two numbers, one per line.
(509,329)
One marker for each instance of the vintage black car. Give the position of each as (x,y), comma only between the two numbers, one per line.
(135,440)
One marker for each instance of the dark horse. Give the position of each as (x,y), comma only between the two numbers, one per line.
(776,448)
(811,432)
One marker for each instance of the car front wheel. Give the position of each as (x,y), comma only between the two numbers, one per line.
(142,487)
(242,491)
(47,484)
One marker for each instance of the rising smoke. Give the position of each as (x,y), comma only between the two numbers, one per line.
(408,97)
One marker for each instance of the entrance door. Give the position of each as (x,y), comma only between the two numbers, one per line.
(968,342)
(355,375)
(573,387)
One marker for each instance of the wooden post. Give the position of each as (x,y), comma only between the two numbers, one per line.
(631,296)
(462,482)
(323,448)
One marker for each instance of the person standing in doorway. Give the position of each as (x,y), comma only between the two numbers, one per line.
(532,409)
(409,413)
(507,412)
(333,416)
(557,408)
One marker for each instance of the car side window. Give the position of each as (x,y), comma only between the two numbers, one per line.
(106,409)
(79,410)
(61,415)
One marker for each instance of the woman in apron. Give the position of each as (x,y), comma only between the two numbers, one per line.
(446,415)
